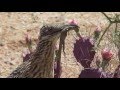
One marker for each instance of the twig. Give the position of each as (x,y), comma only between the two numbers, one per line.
(116,25)
(103,34)
(107,17)
(110,23)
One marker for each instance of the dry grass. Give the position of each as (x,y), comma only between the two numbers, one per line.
(14,25)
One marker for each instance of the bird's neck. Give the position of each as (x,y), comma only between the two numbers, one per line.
(45,49)
(43,59)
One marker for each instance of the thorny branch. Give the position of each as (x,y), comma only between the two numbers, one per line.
(116,20)
(107,17)
(103,34)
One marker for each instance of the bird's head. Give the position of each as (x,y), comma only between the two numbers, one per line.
(53,32)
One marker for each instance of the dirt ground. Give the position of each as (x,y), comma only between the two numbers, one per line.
(13,26)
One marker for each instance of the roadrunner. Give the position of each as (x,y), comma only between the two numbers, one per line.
(41,63)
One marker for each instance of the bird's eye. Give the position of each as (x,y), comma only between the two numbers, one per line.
(46,30)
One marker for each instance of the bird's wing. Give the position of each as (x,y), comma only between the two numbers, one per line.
(20,71)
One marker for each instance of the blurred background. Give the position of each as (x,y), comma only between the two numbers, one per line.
(14,26)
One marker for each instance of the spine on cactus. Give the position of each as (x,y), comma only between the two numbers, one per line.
(84,52)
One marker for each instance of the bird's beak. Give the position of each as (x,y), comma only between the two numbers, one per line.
(67,28)
(70,27)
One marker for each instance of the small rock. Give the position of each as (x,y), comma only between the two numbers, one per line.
(1,44)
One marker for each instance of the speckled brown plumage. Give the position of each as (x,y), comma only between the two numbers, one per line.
(41,62)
